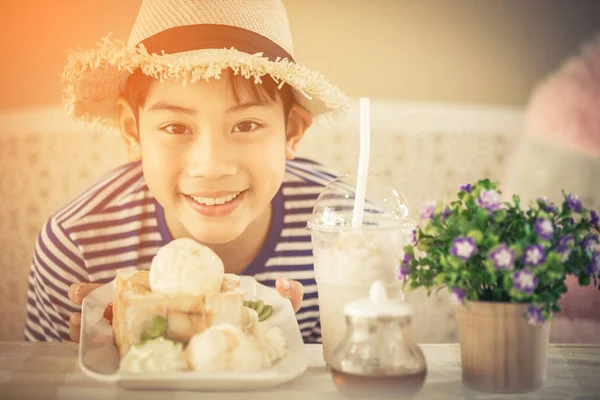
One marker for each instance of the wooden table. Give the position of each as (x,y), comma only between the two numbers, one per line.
(50,371)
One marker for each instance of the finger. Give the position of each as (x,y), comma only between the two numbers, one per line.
(72,290)
(75,327)
(292,290)
(78,291)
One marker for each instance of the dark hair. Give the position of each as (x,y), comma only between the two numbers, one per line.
(138,86)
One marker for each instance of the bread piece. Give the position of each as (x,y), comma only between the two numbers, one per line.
(230,282)
(135,305)
(224,307)
(185,317)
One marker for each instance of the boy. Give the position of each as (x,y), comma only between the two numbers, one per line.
(212,157)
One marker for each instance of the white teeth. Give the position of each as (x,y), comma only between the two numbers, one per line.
(210,201)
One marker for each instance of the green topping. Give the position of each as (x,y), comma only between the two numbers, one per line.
(158,327)
(263,310)
(260,306)
(266,313)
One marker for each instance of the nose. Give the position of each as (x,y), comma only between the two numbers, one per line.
(210,156)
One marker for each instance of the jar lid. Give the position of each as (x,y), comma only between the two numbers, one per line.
(378,305)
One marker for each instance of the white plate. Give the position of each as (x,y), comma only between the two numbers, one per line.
(99,358)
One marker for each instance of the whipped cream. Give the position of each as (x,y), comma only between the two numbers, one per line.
(249,321)
(224,347)
(155,355)
(272,344)
(184,266)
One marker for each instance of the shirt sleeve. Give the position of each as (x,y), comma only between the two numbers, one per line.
(57,263)
(315,335)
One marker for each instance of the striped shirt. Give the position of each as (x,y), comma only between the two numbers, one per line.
(117,223)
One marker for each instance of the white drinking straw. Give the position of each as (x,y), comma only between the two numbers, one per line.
(363,163)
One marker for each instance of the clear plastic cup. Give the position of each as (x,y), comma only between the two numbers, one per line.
(349,259)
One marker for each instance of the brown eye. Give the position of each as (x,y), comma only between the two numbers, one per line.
(177,129)
(246,126)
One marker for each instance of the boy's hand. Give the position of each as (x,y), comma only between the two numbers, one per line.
(292,290)
(77,293)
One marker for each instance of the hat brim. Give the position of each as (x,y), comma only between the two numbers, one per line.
(94,77)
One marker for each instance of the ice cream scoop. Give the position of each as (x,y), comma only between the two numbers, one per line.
(185,267)
(224,347)
(272,343)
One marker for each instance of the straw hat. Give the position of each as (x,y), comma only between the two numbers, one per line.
(193,40)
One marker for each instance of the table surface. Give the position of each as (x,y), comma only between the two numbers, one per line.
(50,371)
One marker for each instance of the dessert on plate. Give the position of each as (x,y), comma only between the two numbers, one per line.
(186,313)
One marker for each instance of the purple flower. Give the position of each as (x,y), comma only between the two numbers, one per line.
(458,295)
(533,255)
(595,220)
(534,315)
(525,281)
(446,213)
(503,257)
(588,242)
(464,248)
(574,203)
(563,247)
(548,206)
(414,237)
(566,241)
(403,274)
(564,253)
(544,229)
(404,270)
(594,267)
(489,199)
(466,188)
(428,210)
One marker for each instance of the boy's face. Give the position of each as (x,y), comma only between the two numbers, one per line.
(213,164)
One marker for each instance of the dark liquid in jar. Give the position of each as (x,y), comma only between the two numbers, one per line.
(379,386)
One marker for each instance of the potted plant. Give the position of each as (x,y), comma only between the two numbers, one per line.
(506,266)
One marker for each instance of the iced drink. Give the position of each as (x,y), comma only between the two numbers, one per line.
(348,256)
(346,265)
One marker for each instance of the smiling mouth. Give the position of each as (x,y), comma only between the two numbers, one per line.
(217,204)
(215,201)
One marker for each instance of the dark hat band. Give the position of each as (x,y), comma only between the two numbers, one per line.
(213,36)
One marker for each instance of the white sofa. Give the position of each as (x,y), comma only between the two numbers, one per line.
(427,150)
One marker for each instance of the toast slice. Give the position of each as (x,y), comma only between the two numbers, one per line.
(135,305)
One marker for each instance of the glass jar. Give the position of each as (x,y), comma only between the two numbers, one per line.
(378,357)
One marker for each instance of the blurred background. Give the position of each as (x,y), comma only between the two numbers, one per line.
(460,90)
(468,51)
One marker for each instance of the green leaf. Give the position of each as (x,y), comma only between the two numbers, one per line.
(507,282)
(432,229)
(476,235)
(584,280)
(444,261)
(455,262)
(518,249)
(517,200)
(556,308)
(499,216)
(486,184)
(482,217)
(491,241)
(440,278)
